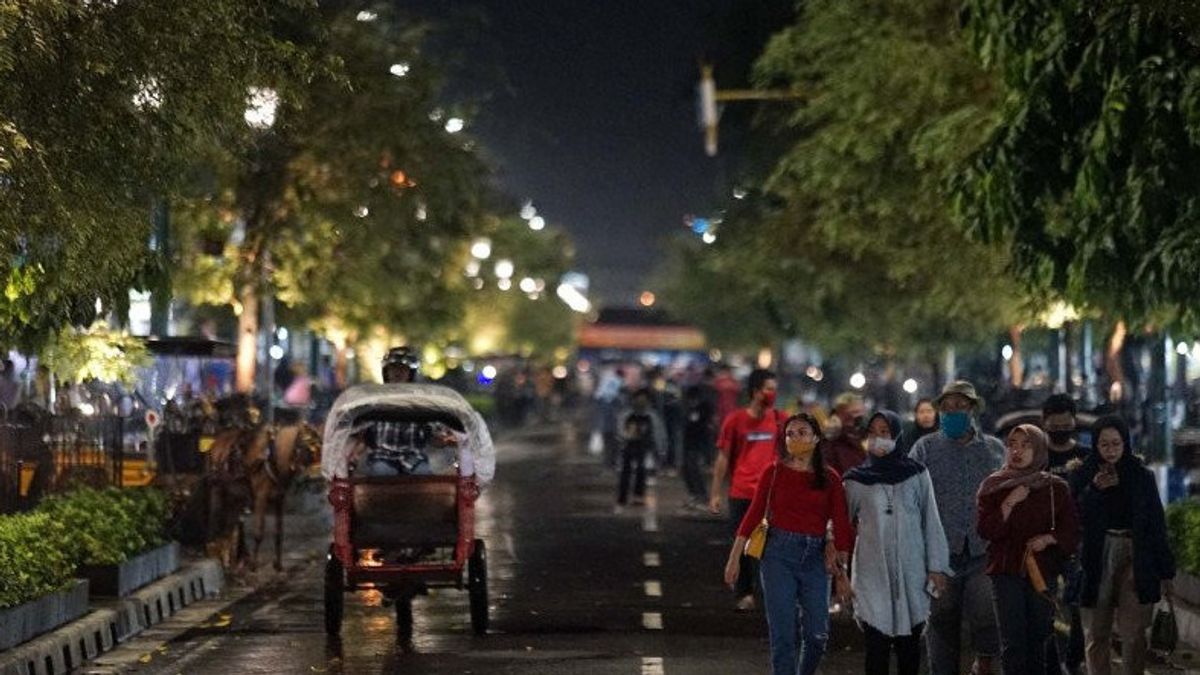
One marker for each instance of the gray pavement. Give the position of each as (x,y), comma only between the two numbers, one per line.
(574,587)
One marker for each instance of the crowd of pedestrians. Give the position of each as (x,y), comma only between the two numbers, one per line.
(924,528)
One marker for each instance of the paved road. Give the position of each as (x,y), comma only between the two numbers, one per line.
(575,589)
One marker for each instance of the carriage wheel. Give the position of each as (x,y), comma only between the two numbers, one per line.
(477,588)
(335,588)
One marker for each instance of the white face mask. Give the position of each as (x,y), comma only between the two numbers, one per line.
(880,446)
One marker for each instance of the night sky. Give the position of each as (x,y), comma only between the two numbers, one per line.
(591,114)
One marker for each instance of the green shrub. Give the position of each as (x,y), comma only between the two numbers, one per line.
(32,560)
(1183,528)
(484,404)
(108,526)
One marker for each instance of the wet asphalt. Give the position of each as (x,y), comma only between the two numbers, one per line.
(574,588)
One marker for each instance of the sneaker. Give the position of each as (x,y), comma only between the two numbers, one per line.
(745,603)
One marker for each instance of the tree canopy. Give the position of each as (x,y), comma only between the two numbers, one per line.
(1091,177)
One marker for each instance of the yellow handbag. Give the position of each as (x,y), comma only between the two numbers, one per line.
(757,541)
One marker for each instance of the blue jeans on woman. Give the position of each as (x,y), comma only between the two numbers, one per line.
(795,588)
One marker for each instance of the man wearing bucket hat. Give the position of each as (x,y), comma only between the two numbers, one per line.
(959,457)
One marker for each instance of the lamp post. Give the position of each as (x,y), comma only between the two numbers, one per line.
(261,106)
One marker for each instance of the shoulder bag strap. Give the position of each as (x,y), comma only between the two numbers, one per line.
(771,491)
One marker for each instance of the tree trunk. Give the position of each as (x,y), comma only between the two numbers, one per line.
(1112,362)
(1016,365)
(340,365)
(247,344)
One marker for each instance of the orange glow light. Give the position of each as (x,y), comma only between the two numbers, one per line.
(647,299)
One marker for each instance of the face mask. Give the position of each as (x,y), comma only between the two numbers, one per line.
(1060,436)
(768,399)
(801,449)
(879,446)
(955,424)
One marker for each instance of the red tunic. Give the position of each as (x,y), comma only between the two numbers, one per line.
(1030,518)
(796,506)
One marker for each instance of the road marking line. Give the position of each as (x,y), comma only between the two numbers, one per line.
(652,665)
(652,620)
(651,559)
(650,517)
(653,589)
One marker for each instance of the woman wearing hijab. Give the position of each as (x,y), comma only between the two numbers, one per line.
(925,421)
(900,551)
(1028,518)
(1127,562)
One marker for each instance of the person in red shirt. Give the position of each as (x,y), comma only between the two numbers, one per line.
(746,447)
(1027,516)
(799,496)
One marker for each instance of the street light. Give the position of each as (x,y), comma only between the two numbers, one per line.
(527,211)
(537,223)
(399,69)
(910,385)
(647,299)
(504,284)
(482,248)
(528,285)
(455,125)
(261,104)
(708,237)
(504,268)
(858,380)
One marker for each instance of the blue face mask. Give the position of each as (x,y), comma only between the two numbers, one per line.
(955,424)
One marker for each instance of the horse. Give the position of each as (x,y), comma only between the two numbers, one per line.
(255,467)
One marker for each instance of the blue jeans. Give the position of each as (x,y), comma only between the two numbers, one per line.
(795,590)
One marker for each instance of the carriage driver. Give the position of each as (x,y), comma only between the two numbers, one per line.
(396,448)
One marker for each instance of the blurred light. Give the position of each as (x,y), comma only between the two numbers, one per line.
(87,409)
(528,285)
(708,237)
(455,125)
(574,299)
(398,178)
(362,211)
(282,333)
(478,284)
(399,69)
(468,366)
(436,115)
(560,372)
(276,352)
(1182,349)
(489,371)
(583,366)
(504,284)
(910,385)
(261,104)
(1007,352)
(858,380)
(700,225)
(366,17)
(472,268)
(765,357)
(527,211)
(504,268)
(534,295)
(647,299)
(148,96)
(537,223)
(422,213)
(539,285)
(714,355)
(739,193)
(1196,350)
(482,248)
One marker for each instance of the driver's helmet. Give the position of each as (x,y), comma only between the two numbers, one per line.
(402,356)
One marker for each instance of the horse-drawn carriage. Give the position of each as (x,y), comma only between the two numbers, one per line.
(412,528)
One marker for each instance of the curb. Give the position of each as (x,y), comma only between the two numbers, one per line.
(112,622)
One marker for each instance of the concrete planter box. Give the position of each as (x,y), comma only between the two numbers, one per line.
(122,579)
(1187,588)
(24,622)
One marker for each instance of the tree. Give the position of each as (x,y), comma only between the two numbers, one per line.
(103,104)
(1090,178)
(352,205)
(852,241)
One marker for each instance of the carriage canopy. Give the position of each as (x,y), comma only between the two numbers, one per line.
(358,406)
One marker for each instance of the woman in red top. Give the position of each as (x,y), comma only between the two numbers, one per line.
(1024,511)
(799,496)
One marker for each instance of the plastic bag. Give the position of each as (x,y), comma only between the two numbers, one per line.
(1164,632)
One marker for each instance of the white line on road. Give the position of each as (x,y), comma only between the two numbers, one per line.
(652,620)
(653,589)
(651,559)
(652,665)
(650,517)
